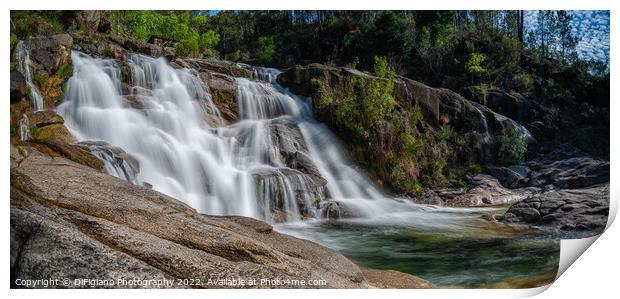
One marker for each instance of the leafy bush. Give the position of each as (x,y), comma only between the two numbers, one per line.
(473,65)
(209,40)
(362,102)
(415,115)
(523,81)
(410,145)
(511,148)
(145,25)
(187,47)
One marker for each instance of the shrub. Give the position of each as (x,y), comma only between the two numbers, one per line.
(523,81)
(415,116)
(410,145)
(362,102)
(473,64)
(209,40)
(511,148)
(187,46)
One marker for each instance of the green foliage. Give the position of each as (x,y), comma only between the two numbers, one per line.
(145,25)
(34,132)
(64,71)
(415,115)
(28,24)
(353,64)
(391,35)
(523,81)
(474,169)
(13,41)
(187,47)
(364,101)
(410,145)
(209,40)
(199,21)
(484,90)
(511,148)
(473,65)
(266,48)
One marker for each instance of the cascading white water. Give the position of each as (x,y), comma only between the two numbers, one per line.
(22,56)
(261,166)
(23,128)
(178,152)
(261,73)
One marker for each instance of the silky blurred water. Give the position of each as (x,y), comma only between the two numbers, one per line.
(450,247)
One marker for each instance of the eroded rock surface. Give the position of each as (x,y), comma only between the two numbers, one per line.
(482,190)
(575,212)
(574,196)
(68,220)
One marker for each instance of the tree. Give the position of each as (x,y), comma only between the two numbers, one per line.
(266,48)
(208,41)
(566,39)
(520,25)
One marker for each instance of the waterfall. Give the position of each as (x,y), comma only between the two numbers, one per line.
(116,162)
(276,163)
(24,133)
(268,75)
(23,66)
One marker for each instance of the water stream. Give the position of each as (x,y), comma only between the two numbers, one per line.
(278,164)
(24,66)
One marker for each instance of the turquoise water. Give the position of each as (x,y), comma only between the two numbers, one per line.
(448,246)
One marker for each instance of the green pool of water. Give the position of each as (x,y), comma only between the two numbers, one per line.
(449,247)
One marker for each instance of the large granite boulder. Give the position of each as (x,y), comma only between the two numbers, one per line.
(47,125)
(49,53)
(510,104)
(440,106)
(69,221)
(572,213)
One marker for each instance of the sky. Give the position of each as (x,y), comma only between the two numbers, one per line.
(592,27)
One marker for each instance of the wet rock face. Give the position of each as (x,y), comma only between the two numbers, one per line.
(286,192)
(49,53)
(223,90)
(48,134)
(122,164)
(511,177)
(70,221)
(19,89)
